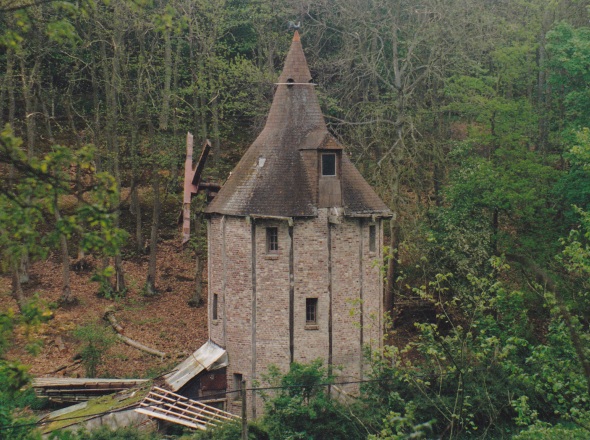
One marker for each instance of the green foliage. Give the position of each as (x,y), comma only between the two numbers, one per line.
(31,201)
(573,189)
(15,393)
(33,314)
(479,369)
(569,74)
(403,427)
(95,341)
(229,431)
(545,431)
(303,409)
(103,278)
(446,103)
(105,433)
(504,204)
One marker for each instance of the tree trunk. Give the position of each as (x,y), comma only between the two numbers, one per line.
(202,107)
(112,82)
(17,288)
(135,205)
(197,299)
(27,87)
(28,96)
(10,86)
(215,123)
(136,209)
(120,287)
(23,271)
(66,294)
(47,118)
(392,265)
(165,110)
(495,227)
(150,285)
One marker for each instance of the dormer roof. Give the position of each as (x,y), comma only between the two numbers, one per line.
(276,177)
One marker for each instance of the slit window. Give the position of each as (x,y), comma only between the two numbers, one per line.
(372,238)
(272,240)
(311,311)
(329,164)
(214,311)
(238,386)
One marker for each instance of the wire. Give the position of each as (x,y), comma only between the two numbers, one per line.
(283,387)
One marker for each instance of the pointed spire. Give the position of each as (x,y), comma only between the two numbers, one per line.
(295,69)
(277,176)
(295,109)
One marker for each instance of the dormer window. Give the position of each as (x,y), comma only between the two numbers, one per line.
(328,164)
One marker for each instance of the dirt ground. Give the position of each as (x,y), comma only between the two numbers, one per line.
(165,322)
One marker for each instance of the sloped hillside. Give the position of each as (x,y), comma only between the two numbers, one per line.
(164,322)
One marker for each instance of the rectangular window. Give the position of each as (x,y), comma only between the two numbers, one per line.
(214,311)
(311,311)
(272,240)
(372,238)
(238,386)
(329,164)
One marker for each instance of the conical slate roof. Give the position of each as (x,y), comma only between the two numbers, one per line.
(275,177)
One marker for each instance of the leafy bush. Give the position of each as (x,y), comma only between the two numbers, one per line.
(302,407)
(545,431)
(15,393)
(95,341)
(230,431)
(105,433)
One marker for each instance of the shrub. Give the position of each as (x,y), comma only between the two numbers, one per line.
(95,340)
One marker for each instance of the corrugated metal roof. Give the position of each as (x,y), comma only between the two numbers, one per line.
(209,356)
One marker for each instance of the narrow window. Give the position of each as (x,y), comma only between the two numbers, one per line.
(214,312)
(238,386)
(372,238)
(272,240)
(311,311)
(329,164)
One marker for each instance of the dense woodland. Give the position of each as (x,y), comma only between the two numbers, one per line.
(469,118)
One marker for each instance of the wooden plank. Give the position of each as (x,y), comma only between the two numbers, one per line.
(171,419)
(218,412)
(178,397)
(85,390)
(214,414)
(166,405)
(65,381)
(180,416)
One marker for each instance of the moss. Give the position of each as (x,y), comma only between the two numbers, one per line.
(97,407)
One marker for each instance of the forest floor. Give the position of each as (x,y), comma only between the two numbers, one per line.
(165,322)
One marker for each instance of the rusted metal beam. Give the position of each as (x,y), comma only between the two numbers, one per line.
(192,182)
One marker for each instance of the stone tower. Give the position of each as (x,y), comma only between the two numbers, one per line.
(295,245)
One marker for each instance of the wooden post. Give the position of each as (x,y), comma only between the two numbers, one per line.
(244,412)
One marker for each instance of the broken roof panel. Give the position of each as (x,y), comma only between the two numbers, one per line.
(209,356)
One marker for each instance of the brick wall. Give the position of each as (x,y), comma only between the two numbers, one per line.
(356,286)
